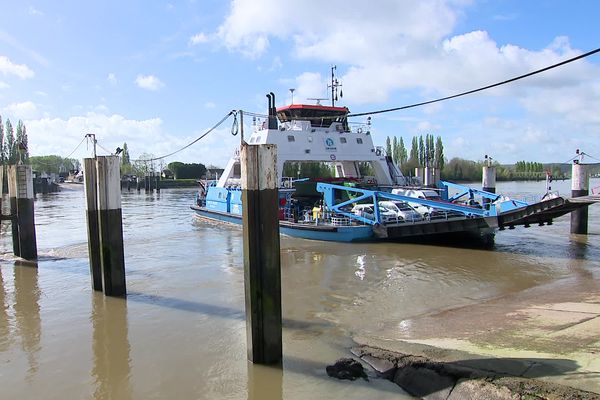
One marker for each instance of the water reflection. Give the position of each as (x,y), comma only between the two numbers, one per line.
(112,369)
(578,255)
(4,321)
(27,311)
(264,383)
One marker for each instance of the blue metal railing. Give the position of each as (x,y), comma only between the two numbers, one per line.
(332,192)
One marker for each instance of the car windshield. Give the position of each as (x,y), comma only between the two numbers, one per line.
(403,206)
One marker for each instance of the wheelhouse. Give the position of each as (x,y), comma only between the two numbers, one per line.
(319,116)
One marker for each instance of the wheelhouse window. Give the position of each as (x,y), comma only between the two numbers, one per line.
(318,116)
(359,140)
(291,138)
(343,140)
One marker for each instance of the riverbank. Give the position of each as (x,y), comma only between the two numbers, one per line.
(550,334)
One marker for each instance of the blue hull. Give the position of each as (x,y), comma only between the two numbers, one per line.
(306,231)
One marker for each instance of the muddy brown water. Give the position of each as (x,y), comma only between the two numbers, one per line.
(180,333)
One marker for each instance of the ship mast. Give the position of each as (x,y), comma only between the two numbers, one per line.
(334,86)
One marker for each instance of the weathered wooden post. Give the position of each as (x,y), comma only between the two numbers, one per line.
(262,269)
(579,187)
(158,183)
(25,212)
(91,198)
(12,195)
(111,226)
(137,184)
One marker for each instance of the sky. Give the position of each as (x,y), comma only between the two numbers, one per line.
(158,74)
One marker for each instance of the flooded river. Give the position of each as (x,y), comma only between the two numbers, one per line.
(180,333)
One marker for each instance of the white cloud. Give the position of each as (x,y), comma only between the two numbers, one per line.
(4,85)
(24,110)
(7,67)
(388,49)
(251,23)
(209,104)
(112,79)
(309,85)
(110,131)
(34,11)
(142,136)
(149,82)
(199,38)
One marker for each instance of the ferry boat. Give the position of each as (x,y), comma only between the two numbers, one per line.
(359,206)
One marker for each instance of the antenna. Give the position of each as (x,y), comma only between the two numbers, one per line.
(334,87)
(318,100)
(292,90)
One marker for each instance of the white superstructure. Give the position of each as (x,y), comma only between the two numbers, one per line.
(316,133)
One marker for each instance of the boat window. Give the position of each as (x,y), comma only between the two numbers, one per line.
(342,140)
(310,139)
(359,140)
(291,138)
(321,117)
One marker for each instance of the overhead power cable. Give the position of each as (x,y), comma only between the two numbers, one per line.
(570,60)
(191,143)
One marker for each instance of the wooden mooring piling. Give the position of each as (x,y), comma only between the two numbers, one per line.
(20,187)
(579,187)
(262,265)
(105,226)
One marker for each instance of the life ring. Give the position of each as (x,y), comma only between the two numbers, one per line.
(359,130)
(378,152)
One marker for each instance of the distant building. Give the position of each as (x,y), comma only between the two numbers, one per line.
(213,173)
(167,174)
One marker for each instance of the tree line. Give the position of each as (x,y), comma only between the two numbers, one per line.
(424,152)
(13,145)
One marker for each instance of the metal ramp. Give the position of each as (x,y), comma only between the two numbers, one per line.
(496,211)
(545,211)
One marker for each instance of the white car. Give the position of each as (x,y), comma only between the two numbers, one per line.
(426,194)
(367,211)
(402,210)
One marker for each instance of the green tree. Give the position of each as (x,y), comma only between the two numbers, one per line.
(403,155)
(25,142)
(187,171)
(431,151)
(53,164)
(395,150)
(421,151)
(20,151)
(10,143)
(126,167)
(388,146)
(439,154)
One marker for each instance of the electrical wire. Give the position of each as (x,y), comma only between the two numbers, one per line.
(233,112)
(67,157)
(103,148)
(570,60)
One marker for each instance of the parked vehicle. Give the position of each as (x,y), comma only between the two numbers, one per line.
(403,210)
(367,211)
(428,194)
